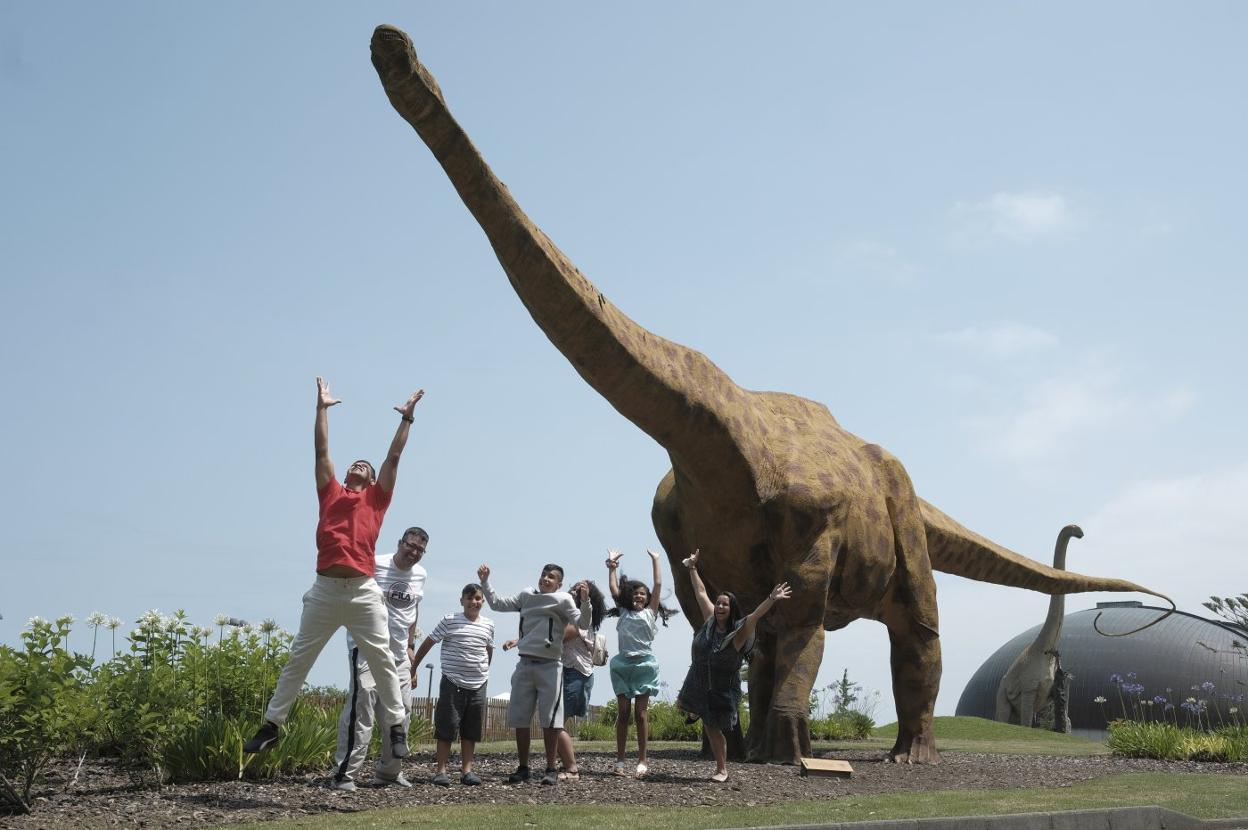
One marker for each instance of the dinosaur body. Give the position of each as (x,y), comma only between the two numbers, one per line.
(1027,684)
(768,485)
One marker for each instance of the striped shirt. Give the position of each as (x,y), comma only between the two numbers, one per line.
(465,649)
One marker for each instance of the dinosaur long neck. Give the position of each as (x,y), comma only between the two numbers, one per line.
(1052,628)
(669,391)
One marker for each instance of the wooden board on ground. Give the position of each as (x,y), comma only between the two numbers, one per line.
(826,768)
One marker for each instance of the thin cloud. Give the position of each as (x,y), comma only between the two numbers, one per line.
(875,260)
(1020,217)
(1061,413)
(1183,535)
(1001,340)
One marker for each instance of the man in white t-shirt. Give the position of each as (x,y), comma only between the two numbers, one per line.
(402,582)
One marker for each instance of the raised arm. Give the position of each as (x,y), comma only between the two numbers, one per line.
(320,434)
(704,602)
(613,573)
(658,580)
(495,602)
(746,631)
(389,471)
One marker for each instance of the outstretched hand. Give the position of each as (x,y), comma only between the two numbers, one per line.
(691,561)
(653,555)
(324,400)
(781,591)
(613,558)
(406,409)
(483,573)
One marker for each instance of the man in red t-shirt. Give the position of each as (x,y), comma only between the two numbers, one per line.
(345,593)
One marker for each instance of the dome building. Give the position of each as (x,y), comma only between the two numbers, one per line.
(1167,659)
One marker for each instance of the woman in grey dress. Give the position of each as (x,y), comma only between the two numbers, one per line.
(712,688)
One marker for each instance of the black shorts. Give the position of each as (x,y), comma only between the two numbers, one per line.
(460,713)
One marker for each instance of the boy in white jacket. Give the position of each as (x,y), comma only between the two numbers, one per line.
(537,682)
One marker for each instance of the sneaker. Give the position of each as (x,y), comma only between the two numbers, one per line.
(398,742)
(441,780)
(520,776)
(396,781)
(470,779)
(551,778)
(263,739)
(345,785)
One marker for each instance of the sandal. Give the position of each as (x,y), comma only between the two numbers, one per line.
(620,769)
(642,770)
(719,777)
(570,775)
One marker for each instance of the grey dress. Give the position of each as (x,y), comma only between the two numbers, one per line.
(715,673)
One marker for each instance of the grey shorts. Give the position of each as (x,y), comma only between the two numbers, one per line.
(460,712)
(536,684)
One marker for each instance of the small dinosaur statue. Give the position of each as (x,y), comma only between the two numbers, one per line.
(768,485)
(1025,688)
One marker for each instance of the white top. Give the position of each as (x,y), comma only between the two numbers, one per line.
(465,649)
(403,591)
(636,630)
(578,653)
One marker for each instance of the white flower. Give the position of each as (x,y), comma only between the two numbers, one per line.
(1234,709)
(268,626)
(95,619)
(247,628)
(221,619)
(170,624)
(1098,699)
(65,619)
(35,622)
(204,632)
(150,619)
(114,623)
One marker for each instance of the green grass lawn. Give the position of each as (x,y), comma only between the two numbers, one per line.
(961,734)
(1205,796)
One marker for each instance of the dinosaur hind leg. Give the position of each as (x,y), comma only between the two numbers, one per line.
(915,661)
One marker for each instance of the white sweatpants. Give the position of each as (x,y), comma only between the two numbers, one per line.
(330,604)
(359,713)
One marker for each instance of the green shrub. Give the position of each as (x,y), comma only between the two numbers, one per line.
(849,725)
(1166,741)
(46,708)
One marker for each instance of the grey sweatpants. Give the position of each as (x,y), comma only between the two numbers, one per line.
(362,709)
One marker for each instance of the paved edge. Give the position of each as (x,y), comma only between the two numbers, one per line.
(1118,818)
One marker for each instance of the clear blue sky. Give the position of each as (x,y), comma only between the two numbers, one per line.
(1004,240)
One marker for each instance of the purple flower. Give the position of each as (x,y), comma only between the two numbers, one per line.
(1130,675)
(1206,687)
(1133,688)
(1117,678)
(1160,699)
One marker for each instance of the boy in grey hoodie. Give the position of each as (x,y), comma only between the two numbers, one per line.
(538,678)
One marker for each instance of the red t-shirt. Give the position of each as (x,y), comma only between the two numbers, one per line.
(350,522)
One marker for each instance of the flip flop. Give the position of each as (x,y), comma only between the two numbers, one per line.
(642,770)
(573,775)
(620,769)
(719,777)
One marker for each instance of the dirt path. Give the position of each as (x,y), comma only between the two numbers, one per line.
(105,798)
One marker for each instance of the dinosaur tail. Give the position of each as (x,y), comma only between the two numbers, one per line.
(954,549)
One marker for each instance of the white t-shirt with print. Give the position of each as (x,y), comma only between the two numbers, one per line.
(403,591)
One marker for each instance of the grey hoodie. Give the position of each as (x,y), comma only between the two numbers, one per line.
(542,618)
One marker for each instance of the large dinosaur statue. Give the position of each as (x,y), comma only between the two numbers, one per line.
(1025,688)
(768,485)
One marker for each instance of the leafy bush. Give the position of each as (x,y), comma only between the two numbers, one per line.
(1166,741)
(849,725)
(45,706)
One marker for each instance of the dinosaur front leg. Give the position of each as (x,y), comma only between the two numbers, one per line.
(780,732)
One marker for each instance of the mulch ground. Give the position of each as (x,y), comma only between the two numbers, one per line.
(105,797)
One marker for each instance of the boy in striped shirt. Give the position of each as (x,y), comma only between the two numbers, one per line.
(467,648)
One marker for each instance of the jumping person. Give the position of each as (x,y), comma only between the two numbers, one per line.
(712,689)
(536,683)
(345,593)
(402,581)
(634,668)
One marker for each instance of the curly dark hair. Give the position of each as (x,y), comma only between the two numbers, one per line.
(624,601)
